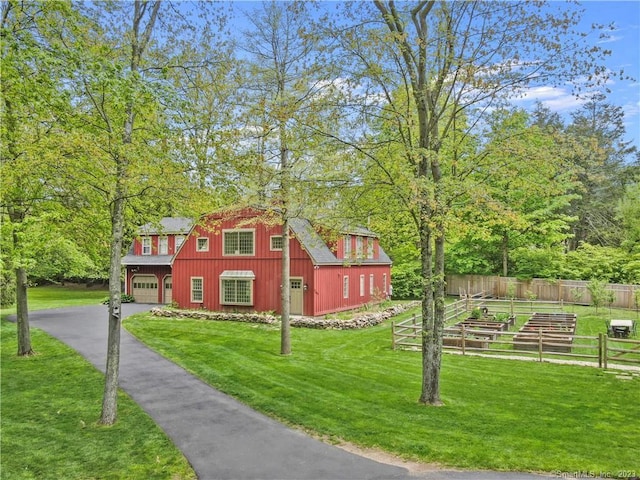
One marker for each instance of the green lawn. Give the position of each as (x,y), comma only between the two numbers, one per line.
(50,406)
(350,385)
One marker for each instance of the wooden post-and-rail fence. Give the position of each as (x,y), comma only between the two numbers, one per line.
(601,350)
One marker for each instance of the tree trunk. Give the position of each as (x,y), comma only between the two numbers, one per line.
(22,313)
(285,334)
(430,393)
(110,397)
(505,255)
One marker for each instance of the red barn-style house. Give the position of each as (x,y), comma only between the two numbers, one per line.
(232,261)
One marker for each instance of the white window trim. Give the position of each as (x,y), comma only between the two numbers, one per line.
(178,241)
(271,247)
(362,285)
(205,247)
(201,300)
(238,254)
(347,246)
(372,284)
(244,276)
(370,245)
(163,242)
(359,247)
(146,249)
(345,286)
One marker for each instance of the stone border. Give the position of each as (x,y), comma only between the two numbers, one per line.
(363,320)
(216,316)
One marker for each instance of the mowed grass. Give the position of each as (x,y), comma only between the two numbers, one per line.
(57,296)
(350,385)
(51,404)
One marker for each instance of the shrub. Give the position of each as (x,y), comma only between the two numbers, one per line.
(125,298)
(407,281)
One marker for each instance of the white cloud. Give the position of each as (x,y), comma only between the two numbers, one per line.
(557,99)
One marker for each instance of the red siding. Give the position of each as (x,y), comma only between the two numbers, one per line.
(323,295)
(328,287)
(171,241)
(159,271)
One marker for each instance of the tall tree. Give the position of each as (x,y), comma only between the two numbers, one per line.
(286,84)
(603,158)
(117,156)
(33,105)
(454,58)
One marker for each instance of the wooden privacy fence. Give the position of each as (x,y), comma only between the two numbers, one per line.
(568,291)
(600,350)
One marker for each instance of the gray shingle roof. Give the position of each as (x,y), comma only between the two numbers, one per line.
(311,242)
(167,225)
(131,259)
(319,251)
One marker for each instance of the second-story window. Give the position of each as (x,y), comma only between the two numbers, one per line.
(359,247)
(146,246)
(276,242)
(179,241)
(347,246)
(202,244)
(163,246)
(239,242)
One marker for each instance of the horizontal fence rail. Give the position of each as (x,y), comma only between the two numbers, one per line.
(540,345)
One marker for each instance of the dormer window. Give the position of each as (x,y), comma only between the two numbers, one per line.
(146,246)
(163,246)
(347,246)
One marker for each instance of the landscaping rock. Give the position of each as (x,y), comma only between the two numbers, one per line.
(362,320)
(217,316)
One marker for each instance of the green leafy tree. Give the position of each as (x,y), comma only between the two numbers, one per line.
(34,106)
(453,62)
(287,88)
(602,157)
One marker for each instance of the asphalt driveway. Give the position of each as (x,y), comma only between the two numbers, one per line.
(221,437)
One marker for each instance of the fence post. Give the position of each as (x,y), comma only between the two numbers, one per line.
(604,351)
(393,335)
(463,340)
(511,306)
(600,344)
(540,344)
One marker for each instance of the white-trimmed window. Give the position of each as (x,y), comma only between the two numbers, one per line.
(197,289)
(384,283)
(163,246)
(202,244)
(277,242)
(345,286)
(179,241)
(371,284)
(238,242)
(347,246)
(370,243)
(359,247)
(146,245)
(362,286)
(236,287)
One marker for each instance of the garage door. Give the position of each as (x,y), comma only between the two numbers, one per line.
(145,288)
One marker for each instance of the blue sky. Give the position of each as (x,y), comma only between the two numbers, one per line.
(624,42)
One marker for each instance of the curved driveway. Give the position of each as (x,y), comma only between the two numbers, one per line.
(221,437)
